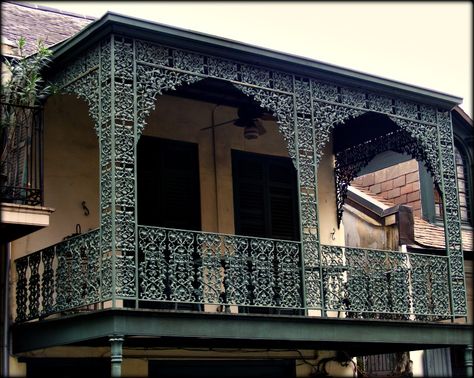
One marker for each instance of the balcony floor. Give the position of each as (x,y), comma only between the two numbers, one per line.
(148,328)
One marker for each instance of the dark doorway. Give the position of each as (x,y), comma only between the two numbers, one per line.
(223,369)
(68,367)
(168,184)
(168,196)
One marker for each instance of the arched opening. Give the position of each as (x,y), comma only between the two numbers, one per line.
(369,274)
(206,129)
(213,179)
(374,143)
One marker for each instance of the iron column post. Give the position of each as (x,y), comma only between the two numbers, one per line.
(468,360)
(116,356)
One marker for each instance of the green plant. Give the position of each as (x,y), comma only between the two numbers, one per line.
(23,84)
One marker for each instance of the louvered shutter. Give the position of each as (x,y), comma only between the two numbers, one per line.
(168,184)
(265,202)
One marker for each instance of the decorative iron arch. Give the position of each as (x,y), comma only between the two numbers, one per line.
(351,160)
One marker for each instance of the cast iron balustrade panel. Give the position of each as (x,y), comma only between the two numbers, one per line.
(210,268)
(198,268)
(380,284)
(61,278)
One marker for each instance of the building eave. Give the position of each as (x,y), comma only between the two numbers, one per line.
(231,49)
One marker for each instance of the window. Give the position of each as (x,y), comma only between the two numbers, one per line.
(265,197)
(463,186)
(463,190)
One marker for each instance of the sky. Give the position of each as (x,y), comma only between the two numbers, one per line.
(426,44)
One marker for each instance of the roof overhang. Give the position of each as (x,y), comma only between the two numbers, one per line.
(230,49)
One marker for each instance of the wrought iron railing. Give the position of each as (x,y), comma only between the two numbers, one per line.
(62,277)
(21,176)
(368,283)
(190,269)
(210,268)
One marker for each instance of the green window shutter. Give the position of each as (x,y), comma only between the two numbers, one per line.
(265,198)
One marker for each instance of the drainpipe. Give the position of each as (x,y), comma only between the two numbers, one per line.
(5,251)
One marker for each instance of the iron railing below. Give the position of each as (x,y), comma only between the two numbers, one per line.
(21,170)
(179,269)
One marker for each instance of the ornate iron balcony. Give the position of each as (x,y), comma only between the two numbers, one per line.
(190,270)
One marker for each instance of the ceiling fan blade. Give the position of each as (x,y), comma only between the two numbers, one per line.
(219,124)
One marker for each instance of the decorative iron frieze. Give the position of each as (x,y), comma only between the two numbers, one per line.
(81,78)
(152,82)
(282,107)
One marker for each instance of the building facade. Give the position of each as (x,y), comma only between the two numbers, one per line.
(196,188)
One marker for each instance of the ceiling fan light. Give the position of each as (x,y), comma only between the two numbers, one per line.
(251,131)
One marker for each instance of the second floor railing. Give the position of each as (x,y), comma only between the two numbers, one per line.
(201,271)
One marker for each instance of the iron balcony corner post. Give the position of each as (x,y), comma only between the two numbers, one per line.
(451,215)
(468,360)
(116,355)
(301,230)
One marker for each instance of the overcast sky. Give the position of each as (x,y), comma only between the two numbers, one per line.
(428,44)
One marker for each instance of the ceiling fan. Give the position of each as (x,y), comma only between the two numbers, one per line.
(250,118)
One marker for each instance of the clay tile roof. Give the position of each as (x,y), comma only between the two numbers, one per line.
(430,235)
(426,234)
(376,197)
(35,22)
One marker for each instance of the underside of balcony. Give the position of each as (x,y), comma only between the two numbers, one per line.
(216,290)
(146,328)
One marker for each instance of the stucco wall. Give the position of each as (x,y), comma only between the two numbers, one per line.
(71,166)
(71,173)
(364,232)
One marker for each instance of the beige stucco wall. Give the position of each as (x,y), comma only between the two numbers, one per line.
(329,232)
(71,173)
